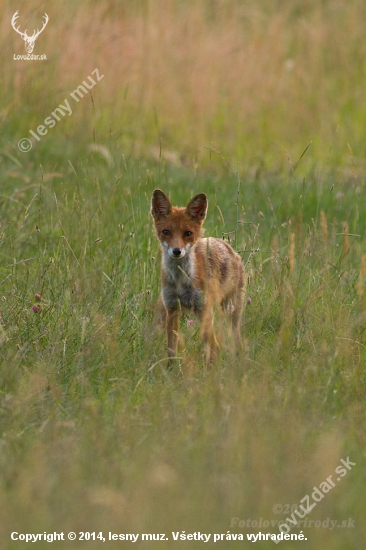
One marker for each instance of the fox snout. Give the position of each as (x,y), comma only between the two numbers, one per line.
(176,252)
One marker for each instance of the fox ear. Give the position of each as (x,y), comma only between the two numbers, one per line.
(160,204)
(197,207)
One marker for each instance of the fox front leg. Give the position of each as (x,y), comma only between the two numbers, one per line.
(172,329)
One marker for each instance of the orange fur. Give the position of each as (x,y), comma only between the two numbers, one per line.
(198,274)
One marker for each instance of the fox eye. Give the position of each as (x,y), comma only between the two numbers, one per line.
(188,233)
(166,232)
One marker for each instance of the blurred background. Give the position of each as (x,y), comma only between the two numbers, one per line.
(253,80)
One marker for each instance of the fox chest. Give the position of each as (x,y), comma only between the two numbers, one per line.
(179,290)
(184,296)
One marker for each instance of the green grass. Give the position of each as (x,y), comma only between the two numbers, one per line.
(96,433)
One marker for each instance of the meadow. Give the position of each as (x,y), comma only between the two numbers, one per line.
(261,106)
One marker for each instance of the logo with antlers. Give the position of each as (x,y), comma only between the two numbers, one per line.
(29,40)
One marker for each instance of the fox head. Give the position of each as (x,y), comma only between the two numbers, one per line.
(178,229)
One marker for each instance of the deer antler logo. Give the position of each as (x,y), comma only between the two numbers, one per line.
(29,40)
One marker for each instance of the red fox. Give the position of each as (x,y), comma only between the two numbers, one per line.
(197,273)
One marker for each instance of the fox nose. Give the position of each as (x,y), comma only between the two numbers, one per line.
(176,252)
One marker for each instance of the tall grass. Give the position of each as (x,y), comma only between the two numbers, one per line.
(96,434)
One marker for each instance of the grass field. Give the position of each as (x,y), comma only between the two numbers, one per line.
(212,96)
